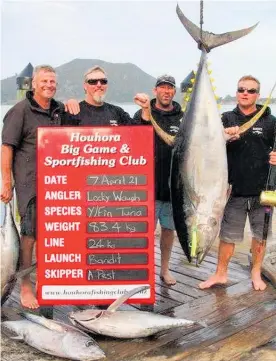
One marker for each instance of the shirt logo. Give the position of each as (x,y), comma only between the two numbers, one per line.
(113,122)
(257,131)
(174,129)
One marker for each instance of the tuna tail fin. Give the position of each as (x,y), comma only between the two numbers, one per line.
(113,307)
(210,40)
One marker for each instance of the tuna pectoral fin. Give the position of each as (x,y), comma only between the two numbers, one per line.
(116,304)
(210,40)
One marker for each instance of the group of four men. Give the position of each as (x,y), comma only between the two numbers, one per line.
(248,159)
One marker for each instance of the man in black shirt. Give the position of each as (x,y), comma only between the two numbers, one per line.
(19,136)
(248,163)
(94,110)
(168,114)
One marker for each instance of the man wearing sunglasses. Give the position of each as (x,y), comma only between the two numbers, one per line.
(168,114)
(93,110)
(249,157)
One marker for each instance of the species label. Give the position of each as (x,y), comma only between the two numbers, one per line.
(95,214)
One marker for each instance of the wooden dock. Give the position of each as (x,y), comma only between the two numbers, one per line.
(240,322)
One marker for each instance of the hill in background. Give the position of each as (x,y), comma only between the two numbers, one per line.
(125,80)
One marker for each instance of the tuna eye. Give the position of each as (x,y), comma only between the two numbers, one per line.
(89,343)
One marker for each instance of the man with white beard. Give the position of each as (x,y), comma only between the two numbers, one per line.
(93,110)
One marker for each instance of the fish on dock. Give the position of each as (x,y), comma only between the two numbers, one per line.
(55,338)
(126,324)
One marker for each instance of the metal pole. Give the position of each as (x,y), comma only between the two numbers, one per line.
(24,83)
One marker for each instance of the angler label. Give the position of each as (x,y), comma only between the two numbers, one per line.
(95,214)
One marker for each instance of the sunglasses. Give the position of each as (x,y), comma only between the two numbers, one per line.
(249,91)
(103,81)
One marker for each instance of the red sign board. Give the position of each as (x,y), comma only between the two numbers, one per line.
(95,214)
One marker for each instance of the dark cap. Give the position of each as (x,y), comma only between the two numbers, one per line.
(165,79)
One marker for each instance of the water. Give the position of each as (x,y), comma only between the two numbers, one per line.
(132,108)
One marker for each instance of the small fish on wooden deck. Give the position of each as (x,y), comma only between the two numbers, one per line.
(55,338)
(126,324)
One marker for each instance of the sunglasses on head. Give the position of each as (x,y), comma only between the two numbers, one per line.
(249,91)
(103,81)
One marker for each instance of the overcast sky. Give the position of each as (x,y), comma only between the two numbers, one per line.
(146,33)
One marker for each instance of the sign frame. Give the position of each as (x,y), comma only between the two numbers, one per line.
(123,209)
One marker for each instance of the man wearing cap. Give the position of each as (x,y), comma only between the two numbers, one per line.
(168,114)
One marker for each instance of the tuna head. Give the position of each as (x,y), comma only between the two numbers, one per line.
(55,338)
(203,235)
(79,346)
(204,225)
(86,315)
(85,319)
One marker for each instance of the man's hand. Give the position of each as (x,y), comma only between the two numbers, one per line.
(272,158)
(6,192)
(72,106)
(142,100)
(232,133)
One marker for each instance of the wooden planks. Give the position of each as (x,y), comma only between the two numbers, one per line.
(233,347)
(231,313)
(194,343)
(219,314)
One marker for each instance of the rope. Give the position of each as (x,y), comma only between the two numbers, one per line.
(201,19)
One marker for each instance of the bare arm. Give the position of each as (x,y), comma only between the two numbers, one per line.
(272,157)
(6,171)
(72,106)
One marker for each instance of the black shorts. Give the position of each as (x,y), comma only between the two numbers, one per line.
(28,221)
(235,214)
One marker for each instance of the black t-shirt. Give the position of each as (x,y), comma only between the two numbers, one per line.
(107,114)
(20,132)
(248,157)
(169,121)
